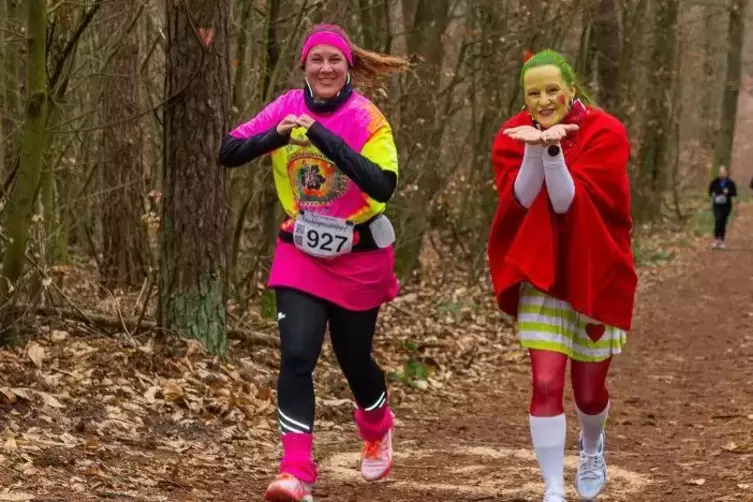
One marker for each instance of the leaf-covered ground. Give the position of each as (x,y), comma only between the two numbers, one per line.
(152,418)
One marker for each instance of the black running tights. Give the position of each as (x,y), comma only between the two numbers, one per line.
(302,320)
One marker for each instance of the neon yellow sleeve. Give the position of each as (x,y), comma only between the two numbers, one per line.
(380,148)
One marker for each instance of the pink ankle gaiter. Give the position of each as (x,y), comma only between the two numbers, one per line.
(373,425)
(297,457)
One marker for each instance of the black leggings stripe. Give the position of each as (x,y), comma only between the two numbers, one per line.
(302,320)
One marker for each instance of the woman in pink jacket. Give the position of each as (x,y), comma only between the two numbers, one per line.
(335,166)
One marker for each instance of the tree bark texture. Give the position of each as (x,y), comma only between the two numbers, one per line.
(124,242)
(193,258)
(658,114)
(21,203)
(426,22)
(605,43)
(726,135)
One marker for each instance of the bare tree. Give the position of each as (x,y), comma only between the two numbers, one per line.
(124,258)
(23,196)
(657,126)
(193,282)
(735,33)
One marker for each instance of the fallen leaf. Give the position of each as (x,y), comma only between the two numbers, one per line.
(92,444)
(151,394)
(421,384)
(36,353)
(58,335)
(10,444)
(8,392)
(172,390)
(50,400)
(194,347)
(15,497)
(22,393)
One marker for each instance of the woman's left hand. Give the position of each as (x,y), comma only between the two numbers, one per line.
(557,133)
(305,121)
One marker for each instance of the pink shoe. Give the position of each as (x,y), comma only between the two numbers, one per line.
(288,488)
(376,457)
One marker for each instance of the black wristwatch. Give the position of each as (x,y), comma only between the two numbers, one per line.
(553,150)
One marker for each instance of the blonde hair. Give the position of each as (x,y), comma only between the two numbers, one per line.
(369,67)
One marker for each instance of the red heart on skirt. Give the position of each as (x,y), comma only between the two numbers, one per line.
(595,331)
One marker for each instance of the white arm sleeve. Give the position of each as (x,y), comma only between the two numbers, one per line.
(530,177)
(559,182)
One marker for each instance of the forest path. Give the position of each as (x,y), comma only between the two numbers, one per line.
(680,429)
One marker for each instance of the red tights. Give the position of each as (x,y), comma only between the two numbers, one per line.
(588,380)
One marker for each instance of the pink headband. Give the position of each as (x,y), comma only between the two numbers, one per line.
(327,38)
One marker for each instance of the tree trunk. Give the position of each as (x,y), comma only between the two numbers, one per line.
(11,89)
(726,135)
(710,102)
(123,240)
(193,282)
(657,127)
(605,45)
(24,192)
(631,23)
(428,21)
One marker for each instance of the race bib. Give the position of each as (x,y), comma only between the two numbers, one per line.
(322,236)
(720,199)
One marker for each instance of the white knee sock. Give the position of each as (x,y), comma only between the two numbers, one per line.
(591,427)
(548,435)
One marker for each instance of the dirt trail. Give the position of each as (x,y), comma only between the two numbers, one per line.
(682,422)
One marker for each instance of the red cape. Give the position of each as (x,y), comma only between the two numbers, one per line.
(584,256)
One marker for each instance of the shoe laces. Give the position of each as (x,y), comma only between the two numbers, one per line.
(591,465)
(372,449)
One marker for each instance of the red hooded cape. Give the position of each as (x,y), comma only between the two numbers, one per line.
(584,256)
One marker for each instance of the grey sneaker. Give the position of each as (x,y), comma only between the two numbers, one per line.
(592,472)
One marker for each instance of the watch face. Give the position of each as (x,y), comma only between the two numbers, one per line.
(553,150)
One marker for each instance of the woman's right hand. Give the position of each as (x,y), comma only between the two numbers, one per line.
(524,134)
(285,128)
(286,125)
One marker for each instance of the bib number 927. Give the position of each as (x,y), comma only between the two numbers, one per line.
(323,236)
(325,241)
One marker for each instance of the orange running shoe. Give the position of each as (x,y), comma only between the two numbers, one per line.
(376,458)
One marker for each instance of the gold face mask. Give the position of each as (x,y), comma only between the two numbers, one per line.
(547,95)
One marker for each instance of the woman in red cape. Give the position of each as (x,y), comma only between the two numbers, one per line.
(561,260)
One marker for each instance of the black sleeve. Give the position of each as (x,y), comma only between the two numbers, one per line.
(732,189)
(711,187)
(372,179)
(235,152)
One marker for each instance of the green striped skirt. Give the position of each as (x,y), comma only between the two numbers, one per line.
(545,323)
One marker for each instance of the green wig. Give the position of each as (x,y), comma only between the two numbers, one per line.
(549,57)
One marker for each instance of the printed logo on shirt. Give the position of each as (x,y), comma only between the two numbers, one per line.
(315,180)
